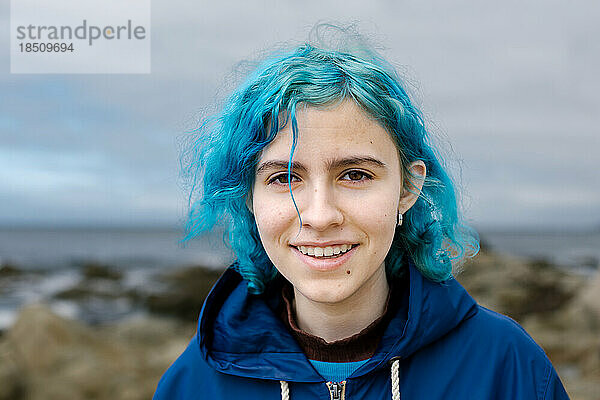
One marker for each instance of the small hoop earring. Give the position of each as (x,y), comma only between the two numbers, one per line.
(399,219)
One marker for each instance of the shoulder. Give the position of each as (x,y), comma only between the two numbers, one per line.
(490,335)
(497,353)
(499,339)
(503,330)
(182,378)
(191,377)
(502,347)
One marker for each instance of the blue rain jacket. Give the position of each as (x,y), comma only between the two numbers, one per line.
(449,347)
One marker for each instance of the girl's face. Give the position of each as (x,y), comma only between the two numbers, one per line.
(346,180)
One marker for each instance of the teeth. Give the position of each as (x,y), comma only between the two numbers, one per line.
(324,251)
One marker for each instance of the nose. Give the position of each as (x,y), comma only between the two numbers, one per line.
(321,209)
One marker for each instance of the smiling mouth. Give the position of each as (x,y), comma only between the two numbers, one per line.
(325,252)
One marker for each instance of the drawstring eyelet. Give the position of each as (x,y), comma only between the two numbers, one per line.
(391,361)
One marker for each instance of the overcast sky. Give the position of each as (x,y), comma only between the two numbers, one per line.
(512,86)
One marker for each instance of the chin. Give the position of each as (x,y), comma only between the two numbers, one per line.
(328,292)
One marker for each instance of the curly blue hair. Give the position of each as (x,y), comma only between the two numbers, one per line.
(220,158)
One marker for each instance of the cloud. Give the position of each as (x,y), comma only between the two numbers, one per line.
(511,85)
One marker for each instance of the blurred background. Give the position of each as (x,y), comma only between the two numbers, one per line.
(92,209)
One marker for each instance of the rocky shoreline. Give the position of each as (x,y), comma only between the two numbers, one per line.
(46,356)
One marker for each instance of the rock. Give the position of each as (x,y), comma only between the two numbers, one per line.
(589,301)
(94,288)
(151,333)
(7,269)
(57,358)
(44,340)
(93,270)
(581,315)
(517,287)
(186,290)
(101,300)
(12,382)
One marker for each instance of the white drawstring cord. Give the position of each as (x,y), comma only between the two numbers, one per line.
(396,379)
(395,373)
(285,390)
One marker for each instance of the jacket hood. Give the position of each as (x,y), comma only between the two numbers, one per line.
(241,334)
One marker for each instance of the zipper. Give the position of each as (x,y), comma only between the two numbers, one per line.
(337,390)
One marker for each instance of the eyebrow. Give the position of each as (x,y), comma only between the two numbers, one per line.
(335,163)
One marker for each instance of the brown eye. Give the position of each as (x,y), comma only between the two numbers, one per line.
(281,179)
(356,176)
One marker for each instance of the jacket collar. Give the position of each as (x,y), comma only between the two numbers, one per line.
(241,334)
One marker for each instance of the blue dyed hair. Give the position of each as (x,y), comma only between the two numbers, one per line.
(220,159)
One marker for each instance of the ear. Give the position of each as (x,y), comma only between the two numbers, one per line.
(412,185)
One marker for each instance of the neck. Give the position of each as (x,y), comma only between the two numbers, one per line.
(340,320)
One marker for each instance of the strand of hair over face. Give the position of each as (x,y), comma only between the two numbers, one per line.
(219,160)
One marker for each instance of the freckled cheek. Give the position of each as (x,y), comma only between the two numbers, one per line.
(272,221)
(376,216)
